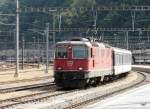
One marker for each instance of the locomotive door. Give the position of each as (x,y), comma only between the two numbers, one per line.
(70,60)
(92,58)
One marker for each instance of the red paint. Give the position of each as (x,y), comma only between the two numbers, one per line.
(71,64)
(96,62)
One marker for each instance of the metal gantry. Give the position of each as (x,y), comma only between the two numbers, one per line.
(97,8)
(91,29)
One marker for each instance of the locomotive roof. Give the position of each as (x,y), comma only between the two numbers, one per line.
(82,41)
(88,43)
(75,43)
(97,44)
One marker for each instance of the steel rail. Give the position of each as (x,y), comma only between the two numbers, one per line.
(46,96)
(24,80)
(25,87)
(30,98)
(98,98)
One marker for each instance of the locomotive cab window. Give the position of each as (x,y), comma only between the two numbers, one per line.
(61,52)
(80,52)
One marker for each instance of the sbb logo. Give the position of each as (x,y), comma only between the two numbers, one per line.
(69,63)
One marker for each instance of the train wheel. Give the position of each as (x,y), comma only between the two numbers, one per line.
(123,75)
(94,81)
(98,80)
(87,82)
(91,82)
(112,77)
(106,78)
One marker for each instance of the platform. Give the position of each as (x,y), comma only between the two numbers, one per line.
(143,68)
(138,98)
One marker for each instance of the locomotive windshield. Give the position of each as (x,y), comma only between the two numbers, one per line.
(61,52)
(80,52)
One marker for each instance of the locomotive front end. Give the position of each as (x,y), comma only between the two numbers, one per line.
(71,64)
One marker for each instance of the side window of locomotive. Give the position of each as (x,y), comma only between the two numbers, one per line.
(91,50)
(80,51)
(61,52)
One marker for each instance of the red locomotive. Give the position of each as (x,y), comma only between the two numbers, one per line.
(80,62)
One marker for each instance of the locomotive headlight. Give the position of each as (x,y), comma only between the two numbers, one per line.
(80,68)
(59,68)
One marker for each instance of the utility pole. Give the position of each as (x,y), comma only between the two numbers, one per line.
(95,23)
(127,36)
(148,38)
(47,47)
(53,13)
(34,47)
(54,39)
(17,40)
(22,52)
(133,20)
(39,52)
(38,45)
(116,41)
(140,46)
(60,17)
(102,36)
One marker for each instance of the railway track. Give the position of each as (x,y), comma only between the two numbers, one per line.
(111,93)
(58,94)
(52,92)
(98,94)
(24,71)
(26,80)
(27,98)
(25,87)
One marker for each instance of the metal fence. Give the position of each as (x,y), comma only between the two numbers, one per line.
(30,52)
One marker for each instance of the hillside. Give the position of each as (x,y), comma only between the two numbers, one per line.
(72,17)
